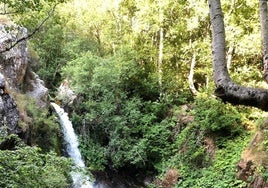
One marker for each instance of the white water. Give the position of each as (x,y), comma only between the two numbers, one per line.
(79,179)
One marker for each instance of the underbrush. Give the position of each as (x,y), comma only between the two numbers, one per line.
(210,147)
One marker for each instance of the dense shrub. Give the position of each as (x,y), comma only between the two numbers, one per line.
(27,166)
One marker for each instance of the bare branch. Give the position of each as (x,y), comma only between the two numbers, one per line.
(32,33)
(8,13)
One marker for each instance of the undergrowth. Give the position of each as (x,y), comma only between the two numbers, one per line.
(209,148)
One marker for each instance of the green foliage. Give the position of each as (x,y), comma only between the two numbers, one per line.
(121,123)
(94,154)
(81,71)
(209,164)
(265,175)
(43,127)
(112,54)
(45,130)
(27,167)
(18,7)
(48,44)
(213,116)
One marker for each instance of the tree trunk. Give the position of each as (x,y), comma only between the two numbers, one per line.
(191,77)
(264,34)
(230,56)
(264,25)
(160,52)
(226,89)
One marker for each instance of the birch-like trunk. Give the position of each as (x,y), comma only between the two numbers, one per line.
(230,56)
(264,35)
(226,89)
(191,77)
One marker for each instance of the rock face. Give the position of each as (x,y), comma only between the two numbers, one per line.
(65,94)
(16,76)
(35,88)
(9,114)
(252,157)
(14,64)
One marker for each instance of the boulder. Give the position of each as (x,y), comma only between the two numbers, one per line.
(65,94)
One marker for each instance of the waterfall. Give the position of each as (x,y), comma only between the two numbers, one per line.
(80,180)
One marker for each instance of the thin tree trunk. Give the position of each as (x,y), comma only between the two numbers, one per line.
(191,76)
(264,34)
(226,89)
(160,52)
(264,25)
(230,56)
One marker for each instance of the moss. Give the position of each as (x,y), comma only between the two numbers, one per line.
(40,126)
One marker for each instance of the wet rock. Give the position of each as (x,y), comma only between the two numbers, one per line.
(210,146)
(252,157)
(169,180)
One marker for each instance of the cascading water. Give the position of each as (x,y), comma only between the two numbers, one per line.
(79,179)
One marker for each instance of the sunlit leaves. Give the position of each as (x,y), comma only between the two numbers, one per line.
(18,6)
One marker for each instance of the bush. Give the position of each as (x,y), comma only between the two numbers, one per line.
(213,116)
(196,165)
(27,167)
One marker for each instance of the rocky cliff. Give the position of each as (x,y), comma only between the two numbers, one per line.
(16,76)
(9,114)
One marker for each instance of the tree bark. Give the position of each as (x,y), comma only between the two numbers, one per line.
(264,35)
(230,56)
(191,77)
(226,89)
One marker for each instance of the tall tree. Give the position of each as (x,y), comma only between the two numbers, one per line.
(226,89)
(264,32)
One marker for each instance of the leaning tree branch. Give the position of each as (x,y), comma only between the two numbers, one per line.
(12,45)
(226,89)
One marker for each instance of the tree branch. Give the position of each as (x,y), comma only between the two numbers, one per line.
(32,33)
(226,89)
